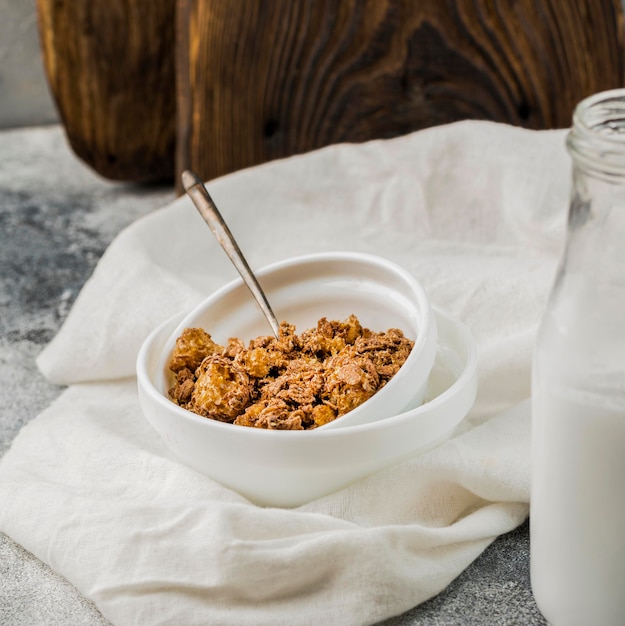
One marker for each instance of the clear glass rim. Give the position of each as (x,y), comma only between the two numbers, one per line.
(597,139)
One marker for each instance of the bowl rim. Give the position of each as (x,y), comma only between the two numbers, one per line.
(364,258)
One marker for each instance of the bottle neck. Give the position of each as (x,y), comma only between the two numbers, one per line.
(596,141)
(596,226)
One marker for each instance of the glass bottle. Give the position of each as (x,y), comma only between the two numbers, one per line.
(577,511)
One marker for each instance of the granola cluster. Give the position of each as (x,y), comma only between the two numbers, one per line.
(293,382)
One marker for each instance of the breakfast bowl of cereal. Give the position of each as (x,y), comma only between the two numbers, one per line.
(269,416)
(357,334)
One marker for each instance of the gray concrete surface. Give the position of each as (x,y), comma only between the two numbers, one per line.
(24,95)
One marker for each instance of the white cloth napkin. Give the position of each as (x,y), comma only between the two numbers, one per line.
(476,211)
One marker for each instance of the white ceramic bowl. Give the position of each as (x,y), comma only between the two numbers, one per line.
(290,468)
(334,285)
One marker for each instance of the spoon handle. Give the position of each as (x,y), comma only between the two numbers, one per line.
(196,190)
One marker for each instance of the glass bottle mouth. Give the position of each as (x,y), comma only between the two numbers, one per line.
(596,141)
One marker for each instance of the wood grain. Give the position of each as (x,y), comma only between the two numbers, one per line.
(111,69)
(263,79)
(147,88)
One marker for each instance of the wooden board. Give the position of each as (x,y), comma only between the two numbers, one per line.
(263,79)
(111,69)
(146,88)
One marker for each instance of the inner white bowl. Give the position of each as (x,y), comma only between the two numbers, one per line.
(333,285)
(289,468)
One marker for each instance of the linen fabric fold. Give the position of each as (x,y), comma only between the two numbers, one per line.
(476,211)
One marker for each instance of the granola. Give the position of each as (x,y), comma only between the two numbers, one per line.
(292,382)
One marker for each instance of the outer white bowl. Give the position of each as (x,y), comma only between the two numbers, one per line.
(334,285)
(290,468)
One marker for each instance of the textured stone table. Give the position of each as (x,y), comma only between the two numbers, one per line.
(56,219)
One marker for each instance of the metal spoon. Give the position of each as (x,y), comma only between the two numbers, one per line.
(196,190)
